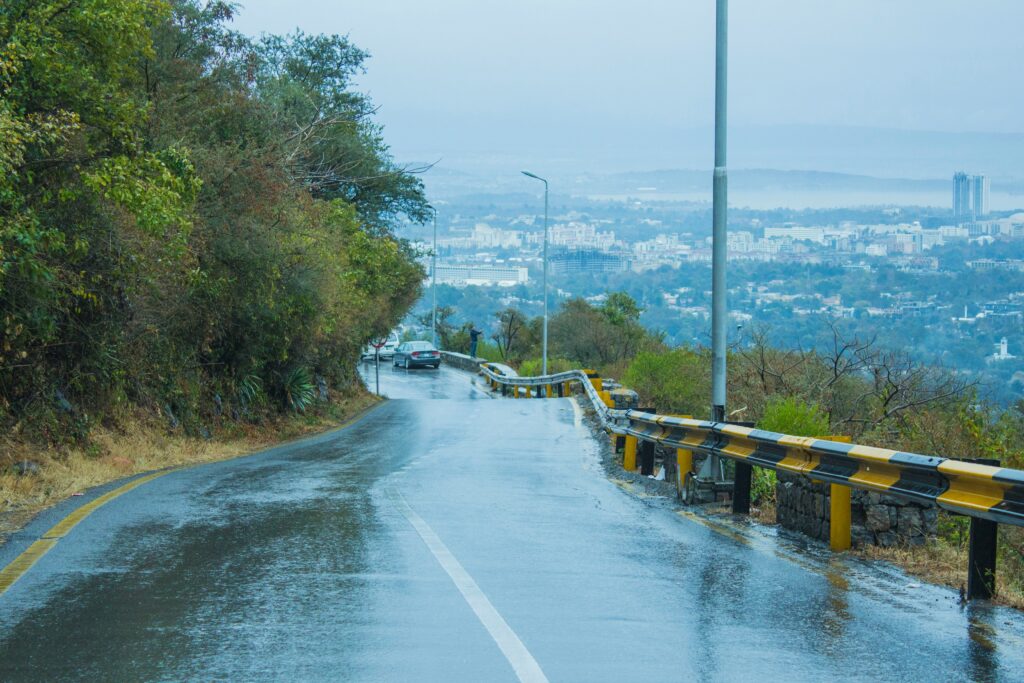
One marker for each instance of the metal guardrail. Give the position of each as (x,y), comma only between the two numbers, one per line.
(992,493)
(988,494)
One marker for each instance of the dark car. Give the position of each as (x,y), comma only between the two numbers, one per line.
(416,354)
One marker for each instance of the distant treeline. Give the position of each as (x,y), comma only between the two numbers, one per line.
(190,219)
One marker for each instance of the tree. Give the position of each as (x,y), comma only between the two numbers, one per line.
(445,328)
(511,325)
(186,212)
(599,337)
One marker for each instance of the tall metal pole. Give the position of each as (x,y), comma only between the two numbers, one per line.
(719,314)
(544,353)
(544,362)
(433,284)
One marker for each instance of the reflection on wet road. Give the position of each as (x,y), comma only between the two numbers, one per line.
(375,554)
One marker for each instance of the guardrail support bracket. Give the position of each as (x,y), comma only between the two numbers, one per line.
(646,458)
(981,559)
(741,488)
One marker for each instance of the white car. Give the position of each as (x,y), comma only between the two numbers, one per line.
(386,351)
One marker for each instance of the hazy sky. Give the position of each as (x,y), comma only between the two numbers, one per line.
(472,76)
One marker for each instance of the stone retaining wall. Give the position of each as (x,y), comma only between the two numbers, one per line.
(461,361)
(877,518)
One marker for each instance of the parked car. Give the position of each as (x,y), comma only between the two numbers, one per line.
(386,351)
(416,354)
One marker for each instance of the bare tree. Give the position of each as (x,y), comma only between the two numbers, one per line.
(511,323)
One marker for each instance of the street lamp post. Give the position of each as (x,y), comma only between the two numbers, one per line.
(544,355)
(719,314)
(433,284)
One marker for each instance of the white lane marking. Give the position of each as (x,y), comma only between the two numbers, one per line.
(526,667)
(577,413)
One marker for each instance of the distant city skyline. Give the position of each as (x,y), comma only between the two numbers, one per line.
(590,82)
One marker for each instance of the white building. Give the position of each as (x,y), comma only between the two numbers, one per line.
(463,275)
(1002,352)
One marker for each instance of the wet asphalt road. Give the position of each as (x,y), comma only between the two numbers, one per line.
(450,537)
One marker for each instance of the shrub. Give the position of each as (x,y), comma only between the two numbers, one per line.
(786,416)
(676,381)
(532,367)
(792,416)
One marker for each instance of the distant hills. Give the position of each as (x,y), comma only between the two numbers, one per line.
(796,158)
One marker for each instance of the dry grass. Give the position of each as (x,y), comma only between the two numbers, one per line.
(938,562)
(141,444)
(763,513)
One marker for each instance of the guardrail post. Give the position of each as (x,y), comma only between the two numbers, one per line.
(741,488)
(561,389)
(595,380)
(981,552)
(646,457)
(684,466)
(629,454)
(981,559)
(839,517)
(547,390)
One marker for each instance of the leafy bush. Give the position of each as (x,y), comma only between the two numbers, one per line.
(532,367)
(786,416)
(676,381)
(792,416)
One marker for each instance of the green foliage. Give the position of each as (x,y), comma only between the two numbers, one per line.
(676,381)
(786,416)
(762,486)
(601,337)
(792,416)
(533,366)
(298,390)
(186,212)
(250,391)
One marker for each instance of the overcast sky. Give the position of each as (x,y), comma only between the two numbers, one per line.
(479,75)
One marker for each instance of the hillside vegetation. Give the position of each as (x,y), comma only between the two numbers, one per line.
(193,224)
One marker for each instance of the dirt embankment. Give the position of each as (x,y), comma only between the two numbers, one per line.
(33,478)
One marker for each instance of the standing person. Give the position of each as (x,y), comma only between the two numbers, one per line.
(474,336)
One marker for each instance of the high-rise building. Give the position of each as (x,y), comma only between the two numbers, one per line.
(961,197)
(970,197)
(979,196)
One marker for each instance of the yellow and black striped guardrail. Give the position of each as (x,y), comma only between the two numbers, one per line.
(993,493)
(988,494)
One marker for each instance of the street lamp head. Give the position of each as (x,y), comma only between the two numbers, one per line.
(534,175)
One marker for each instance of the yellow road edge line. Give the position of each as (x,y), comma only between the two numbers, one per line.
(28,557)
(23,562)
(61,528)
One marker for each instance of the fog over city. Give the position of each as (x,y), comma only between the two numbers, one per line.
(874,87)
